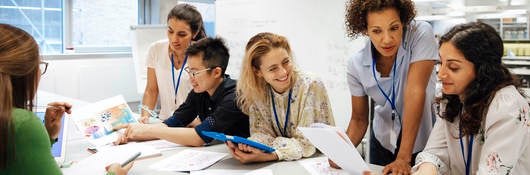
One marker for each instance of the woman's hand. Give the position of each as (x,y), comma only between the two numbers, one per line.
(116,169)
(399,166)
(248,154)
(53,116)
(426,168)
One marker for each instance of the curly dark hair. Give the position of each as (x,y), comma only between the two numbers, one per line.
(481,45)
(357,10)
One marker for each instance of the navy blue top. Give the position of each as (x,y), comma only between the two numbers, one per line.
(218,113)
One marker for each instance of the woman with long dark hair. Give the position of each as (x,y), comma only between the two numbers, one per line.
(485,125)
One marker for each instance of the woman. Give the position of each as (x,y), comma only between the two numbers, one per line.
(166,60)
(278,98)
(485,119)
(395,70)
(25,146)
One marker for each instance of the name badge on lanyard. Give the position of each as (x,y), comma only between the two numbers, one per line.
(391,99)
(177,84)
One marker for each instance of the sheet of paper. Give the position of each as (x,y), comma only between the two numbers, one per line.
(146,150)
(106,155)
(188,160)
(335,144)
(96,120)
(320,166)
(161,145)
(232,172)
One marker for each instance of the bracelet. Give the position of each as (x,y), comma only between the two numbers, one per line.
(149,111)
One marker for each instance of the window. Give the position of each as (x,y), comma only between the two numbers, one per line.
(101,26)
(42,19)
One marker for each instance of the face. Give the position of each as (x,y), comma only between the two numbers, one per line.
(455,71)
(276,68)
(385,31)
(201,78)
(179,34)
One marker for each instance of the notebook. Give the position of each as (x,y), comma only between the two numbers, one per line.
(59,147)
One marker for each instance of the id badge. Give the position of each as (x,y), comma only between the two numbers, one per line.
(393,136)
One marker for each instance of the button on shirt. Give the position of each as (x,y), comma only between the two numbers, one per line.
(418,44)
(218,113)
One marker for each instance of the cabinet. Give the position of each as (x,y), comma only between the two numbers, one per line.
(510,28)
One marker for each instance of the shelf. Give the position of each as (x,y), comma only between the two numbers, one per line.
(517,63)
(516,40)
(524,58)
(520,71)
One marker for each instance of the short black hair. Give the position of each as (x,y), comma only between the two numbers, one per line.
(214,52)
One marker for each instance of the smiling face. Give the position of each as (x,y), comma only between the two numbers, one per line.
(201,78)
(179,34)
(455,72)
(385,30)
(276,69)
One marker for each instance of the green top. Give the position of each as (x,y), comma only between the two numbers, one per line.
(32,147)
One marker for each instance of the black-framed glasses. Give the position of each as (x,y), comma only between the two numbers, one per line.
(194,73)
(43,66)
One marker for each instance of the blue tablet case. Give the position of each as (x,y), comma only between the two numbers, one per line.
(237,139)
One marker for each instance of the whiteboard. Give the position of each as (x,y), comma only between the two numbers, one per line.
(315,29)
(142,37)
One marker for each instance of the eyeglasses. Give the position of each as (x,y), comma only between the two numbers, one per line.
(43,66)
(193,74)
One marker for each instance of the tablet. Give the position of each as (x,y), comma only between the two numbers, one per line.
(237,139)
(59,147)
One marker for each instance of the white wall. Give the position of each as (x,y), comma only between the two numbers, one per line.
(315,29)
(90,77)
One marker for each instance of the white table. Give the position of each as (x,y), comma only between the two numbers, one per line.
(76,150)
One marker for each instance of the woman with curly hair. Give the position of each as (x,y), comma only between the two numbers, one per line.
(485,122)
(395,70)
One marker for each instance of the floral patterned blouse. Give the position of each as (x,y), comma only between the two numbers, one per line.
(309,104)
(502,145)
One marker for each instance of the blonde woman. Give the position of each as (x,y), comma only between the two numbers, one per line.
(278,98)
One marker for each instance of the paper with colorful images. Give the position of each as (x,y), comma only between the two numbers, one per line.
(188,160)
(335,144)
(232,172)
(97,120)
(320,166)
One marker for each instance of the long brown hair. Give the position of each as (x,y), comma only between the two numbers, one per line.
(482,46)
(19,67)
(250,87)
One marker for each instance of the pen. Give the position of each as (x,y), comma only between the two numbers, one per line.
(131,159)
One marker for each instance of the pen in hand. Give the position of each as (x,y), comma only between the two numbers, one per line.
(134,157)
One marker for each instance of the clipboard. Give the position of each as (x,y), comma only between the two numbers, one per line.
(237,139)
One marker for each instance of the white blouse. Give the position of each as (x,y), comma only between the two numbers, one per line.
(158,59)
(502,145)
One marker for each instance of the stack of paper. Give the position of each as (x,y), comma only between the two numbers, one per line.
(335,144)
(188,160)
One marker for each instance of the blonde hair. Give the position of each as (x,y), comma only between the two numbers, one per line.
(251,89)
(19,66)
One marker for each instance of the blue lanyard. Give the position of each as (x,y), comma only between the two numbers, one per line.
(180,74)
(393,100)
(284,133)
(469,153)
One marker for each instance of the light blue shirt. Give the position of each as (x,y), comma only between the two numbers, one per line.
(418,44)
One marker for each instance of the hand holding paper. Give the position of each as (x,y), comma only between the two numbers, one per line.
(335,144)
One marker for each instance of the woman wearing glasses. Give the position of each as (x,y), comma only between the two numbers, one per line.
(166,60)
(25,142)
(485,119)
(278,98)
